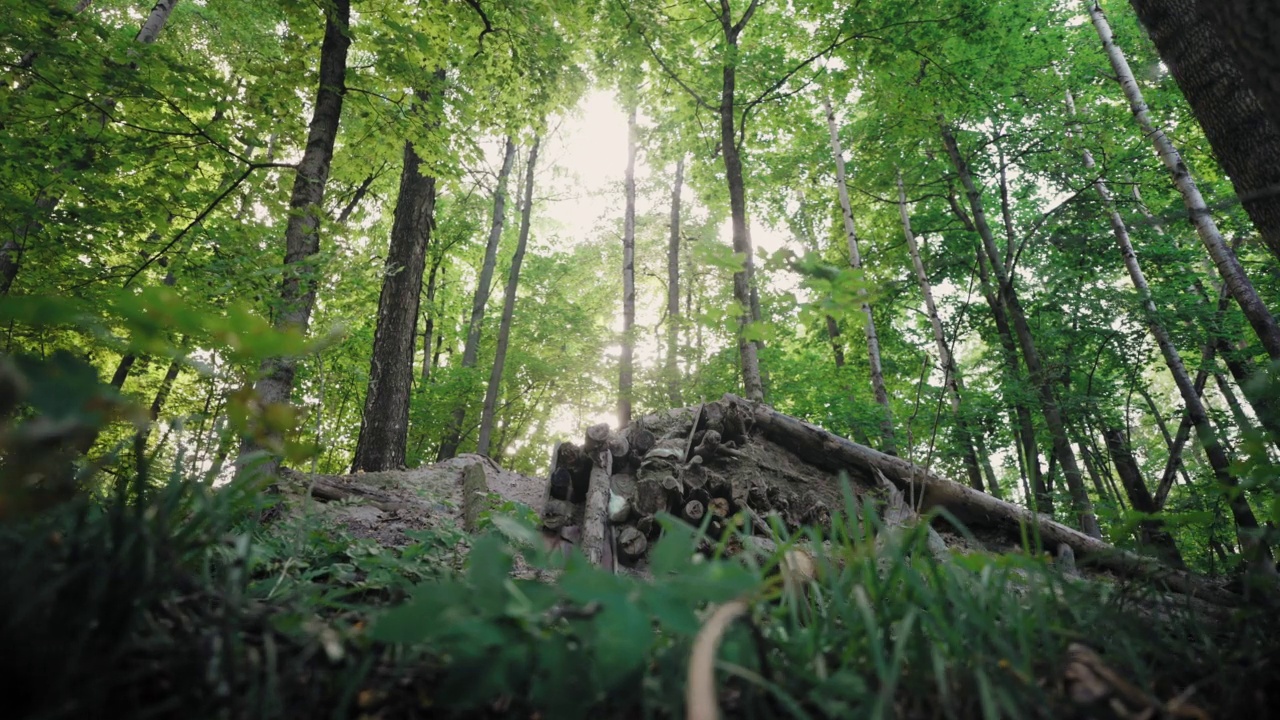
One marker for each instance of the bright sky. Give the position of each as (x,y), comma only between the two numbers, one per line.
(590,147)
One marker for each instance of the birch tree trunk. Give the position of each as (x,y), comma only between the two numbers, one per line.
(508,307)
(306,205)
(673,291)
(887,441)
(1062,449)
(752,383)
(155,21)
(471,351)
(950,374)
(1246,523)
(1215,81)
(384,424)
(626,362)
(1259,317)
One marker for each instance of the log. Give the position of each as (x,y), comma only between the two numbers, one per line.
(561,484)
(642,441)
(648,526)
(323,489)
(475,495)
(632,545)
(597,437)
(597,540)
(719,507)
(833,453)
(557,514)
(624,485)
(694,512)
(619,447)
(651,498)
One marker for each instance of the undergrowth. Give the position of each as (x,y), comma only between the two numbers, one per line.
(172,602)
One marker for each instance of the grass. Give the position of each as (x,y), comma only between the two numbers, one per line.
(174,604)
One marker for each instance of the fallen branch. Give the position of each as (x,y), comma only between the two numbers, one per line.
(971,507)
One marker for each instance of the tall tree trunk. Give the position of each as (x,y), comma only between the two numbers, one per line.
(1253,30)
(1062,449)
(429,326)
(471,351)
(306,205)
(887,441)
(384,424)
(950,373)
(508,307)
(673,291)
(155,21)
(752,383)
(626,363)
(1039,499)
(1217,84)
(1259,317)
(1246,523)
(1152,532)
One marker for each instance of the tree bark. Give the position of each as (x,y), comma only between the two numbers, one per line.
(429,326)
(673,291)
(743,280)
(384,424)
(508,307)
(626,362)
(1221,85)
(1151,530)
(950,373)
(834,453)
(855,260)
(155,21)
(1246,523)
(1038,497)
(1258,315)
(1009,299)
(306,204)
(470,352)
(1253,30)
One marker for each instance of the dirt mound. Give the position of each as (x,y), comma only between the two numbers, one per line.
(383,505)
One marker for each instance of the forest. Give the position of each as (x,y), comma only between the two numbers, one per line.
(1028,246)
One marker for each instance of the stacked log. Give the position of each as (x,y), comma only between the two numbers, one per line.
(613,485)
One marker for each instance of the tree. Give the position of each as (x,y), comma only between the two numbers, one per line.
(1062,450)
(1246,523)
(855,261)
(384,424)
(471,351)
(951,374)
(1259,316)
(673,289)
(626,369)
(302,233)
(508,305)
(1215,79)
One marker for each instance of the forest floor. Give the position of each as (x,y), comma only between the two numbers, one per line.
(394,595)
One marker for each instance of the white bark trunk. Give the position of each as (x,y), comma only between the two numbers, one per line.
(855,259)
(1258,315)
(1246,523)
